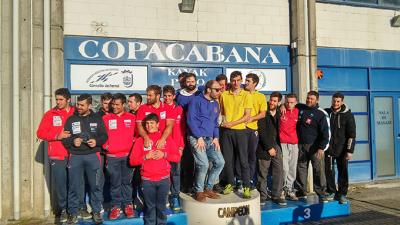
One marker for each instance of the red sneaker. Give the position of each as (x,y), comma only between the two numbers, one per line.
(115,212)
(129,212)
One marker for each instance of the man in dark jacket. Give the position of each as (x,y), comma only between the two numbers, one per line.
(269,152)
(341,147)
(313,131)
(88,134)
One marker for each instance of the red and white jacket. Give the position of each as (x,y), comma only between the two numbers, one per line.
(51,125)
(287,129)
(154,170)
(178,131)
(121,134)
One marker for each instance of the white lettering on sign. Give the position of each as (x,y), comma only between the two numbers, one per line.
(82,49)
(307,213)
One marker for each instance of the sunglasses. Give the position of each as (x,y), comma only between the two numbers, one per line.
(216,89)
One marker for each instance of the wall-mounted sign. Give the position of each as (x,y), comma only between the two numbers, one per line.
(169,75)
(270,79)
(108,77)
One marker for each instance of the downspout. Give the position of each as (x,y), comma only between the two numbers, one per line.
(15,110)
(306,43)
(312,40)
(47,97)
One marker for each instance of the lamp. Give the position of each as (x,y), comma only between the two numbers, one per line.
(187,6)
(395,21)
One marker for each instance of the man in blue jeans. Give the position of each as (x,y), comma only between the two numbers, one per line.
(202,120)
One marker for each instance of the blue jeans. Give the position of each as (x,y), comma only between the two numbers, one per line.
(202,159)
(155,195)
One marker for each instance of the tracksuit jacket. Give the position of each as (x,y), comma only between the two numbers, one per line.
(343,128)
(313,126)
(151,169)
(178,131)
(51,125)
(183,98)
(202,117)
(121,134)
(268,131)
(88,127)
(288,123)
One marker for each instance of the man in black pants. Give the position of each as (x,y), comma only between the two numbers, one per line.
(313,131)
(341,147)
(269,152)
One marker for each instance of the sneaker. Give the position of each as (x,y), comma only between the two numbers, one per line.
(175,204)
(323,198)
(291,196)
(330,196)
(279,201)
(72,219)
(218,188)
(343,199)
(63,216)
(239,185)
(83,214)
(228,189)
(246,192)
(115,212)
(200,196)
(129,212)
(211,194)
(97,218)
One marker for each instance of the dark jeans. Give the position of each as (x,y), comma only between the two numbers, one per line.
(59,178)
(307,154)
(137,190)
(187,167)
(235,144)
(343,174)
(263,167)
(175,179)
(155,197)
(78,167)
(120,181)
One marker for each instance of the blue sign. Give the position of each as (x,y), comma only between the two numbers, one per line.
(169,75)
(137,50)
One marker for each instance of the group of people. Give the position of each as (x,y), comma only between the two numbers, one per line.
(207,140)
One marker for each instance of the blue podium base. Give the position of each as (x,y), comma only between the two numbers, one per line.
(309,209)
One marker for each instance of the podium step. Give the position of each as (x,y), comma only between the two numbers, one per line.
(301,211)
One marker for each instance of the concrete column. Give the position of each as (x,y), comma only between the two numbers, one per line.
(312,39)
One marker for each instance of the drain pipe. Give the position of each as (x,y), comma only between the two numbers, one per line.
(15,110)
(47,97)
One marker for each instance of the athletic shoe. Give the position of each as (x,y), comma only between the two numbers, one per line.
(129,212)
(175,204)
(63,216)
(228,189)
(279,201)
(292,196)
(239,185)
(343,199)
(218,188)
(97,218)
(330,196)
(246,192)
(323,198)
(115,212)
(83,214)
(72,219)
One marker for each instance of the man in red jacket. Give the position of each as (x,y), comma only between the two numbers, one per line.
(178,132)
(51,130)
(289,141)
(155,170)
(120,126)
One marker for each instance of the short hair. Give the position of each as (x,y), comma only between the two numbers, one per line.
(119,96)
(313,93)
(106,96)
(276,94)
(63,92)
(137,96)
(168,89)
(151,117)
(190,75)
(338,95)
(236,74)
(155,88)
(221,77)
(254,77)
(182,75)
(291,95)
(86,97)
(208,85)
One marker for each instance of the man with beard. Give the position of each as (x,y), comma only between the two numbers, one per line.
(341,147)
(88,134)
(185,95)
(134,102)
(105,100)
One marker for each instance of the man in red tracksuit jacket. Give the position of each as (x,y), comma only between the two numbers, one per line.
(120,126)
(51,130)
(155,170)
(178,132)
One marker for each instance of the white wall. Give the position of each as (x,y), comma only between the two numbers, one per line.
(356,27)
(237,21)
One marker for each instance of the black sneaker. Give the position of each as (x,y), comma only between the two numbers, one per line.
(83,214)
(279,201)
(72,219)
(218,188)
(63,216)
(97,218)
(323,198)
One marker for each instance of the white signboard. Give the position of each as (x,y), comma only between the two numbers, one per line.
(270,79)
(108,78)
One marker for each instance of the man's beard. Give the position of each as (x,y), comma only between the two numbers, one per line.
(191,87)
